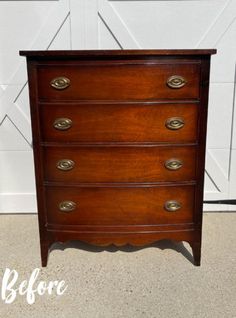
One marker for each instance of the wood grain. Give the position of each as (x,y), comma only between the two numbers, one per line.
(121,206)
(65,54)
(119,122)
(119,164)
(124,81)
(118,102)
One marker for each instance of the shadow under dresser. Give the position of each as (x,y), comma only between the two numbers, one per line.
(119,145)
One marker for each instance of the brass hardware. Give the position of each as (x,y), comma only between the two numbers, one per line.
(62,123)
(176,81)
(67,206)
(172,206)
(174,123)
(60,82)
(173,164)
(65,164)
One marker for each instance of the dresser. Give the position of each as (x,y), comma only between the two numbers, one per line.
(119,145)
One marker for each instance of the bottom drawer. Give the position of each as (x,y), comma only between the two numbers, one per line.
(120,205)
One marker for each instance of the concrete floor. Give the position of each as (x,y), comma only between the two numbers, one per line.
(156,281)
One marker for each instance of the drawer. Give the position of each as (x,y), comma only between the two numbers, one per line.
(119,164)
(119,81)
(131,206)
(119,122)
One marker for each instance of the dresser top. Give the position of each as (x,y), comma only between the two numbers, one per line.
(104,53)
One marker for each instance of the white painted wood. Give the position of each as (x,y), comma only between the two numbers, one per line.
(62,39)
(43,40)
(83,24)
(234,119)
(223,159)
(11,138)
(106,39)
(214,169)
(167,24)
(220,115)
(18,202)
(209,185)
(219,26)
(78,22)
(17,171)
(217,164)
(21,121)
(216,207)
(223,64)
(20,23)
(2,88)
(117,26)
(232,188)
(22,101)
(46,25)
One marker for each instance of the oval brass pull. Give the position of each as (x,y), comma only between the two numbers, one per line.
(60,82)
(175,123)
(65,164)
(172,206)
(62,123)
(176,81)
(173,164)
(67,206)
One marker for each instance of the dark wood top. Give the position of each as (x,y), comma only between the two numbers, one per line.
(81,53)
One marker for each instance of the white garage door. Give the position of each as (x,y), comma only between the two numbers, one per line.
(117,24)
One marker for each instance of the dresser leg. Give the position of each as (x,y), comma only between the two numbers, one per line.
(44,253)
(196,248)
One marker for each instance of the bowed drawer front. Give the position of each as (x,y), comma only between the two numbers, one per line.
(124,80)
(119,145)
(156,122)
(119,164)
(132,206)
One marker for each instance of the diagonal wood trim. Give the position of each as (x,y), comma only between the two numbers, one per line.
(218,28)
(117,25)
(55,20)
(215,171)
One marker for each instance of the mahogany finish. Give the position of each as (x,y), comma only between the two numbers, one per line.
(119,164)
(119,80)
(127,54)
(119,122)
(131,206)
(105,126)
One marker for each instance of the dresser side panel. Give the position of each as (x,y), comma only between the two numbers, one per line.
(38,160)
(202,129)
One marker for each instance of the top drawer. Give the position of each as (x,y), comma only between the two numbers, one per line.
(118,81)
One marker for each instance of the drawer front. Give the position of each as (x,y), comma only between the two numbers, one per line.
(119,164)
(131,206)
(118,81)
(122,123)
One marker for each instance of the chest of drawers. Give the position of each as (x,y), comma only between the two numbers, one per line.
(119,145)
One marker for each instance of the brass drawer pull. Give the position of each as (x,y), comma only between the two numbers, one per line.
(173,164)
(60,82)
(65,164)
(175,123)
(62,123)
(67,206)
(172,206)
(176,81)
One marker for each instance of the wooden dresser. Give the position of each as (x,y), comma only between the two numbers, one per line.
(119,145)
